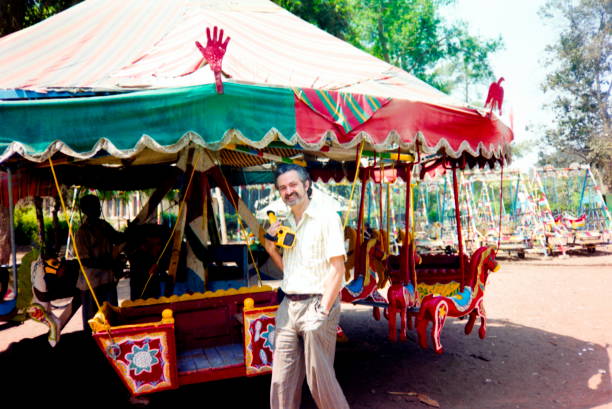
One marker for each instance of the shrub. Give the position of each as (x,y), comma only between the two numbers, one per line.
(26,227)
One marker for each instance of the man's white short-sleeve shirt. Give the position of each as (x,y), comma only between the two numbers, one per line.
(319,237)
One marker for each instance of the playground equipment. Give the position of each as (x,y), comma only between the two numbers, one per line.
(572,198)
(521,228)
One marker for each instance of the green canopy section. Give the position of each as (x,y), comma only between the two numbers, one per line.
(165,120)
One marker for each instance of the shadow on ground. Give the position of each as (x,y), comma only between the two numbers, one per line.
(514,367)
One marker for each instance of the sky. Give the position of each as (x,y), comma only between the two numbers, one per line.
(525,36)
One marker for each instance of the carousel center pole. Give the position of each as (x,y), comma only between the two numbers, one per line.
(458,221)
(407,262)
(360,228)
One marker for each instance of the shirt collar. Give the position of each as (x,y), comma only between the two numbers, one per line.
(311,212)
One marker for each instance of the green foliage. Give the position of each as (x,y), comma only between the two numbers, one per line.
(467,60)
(579,82)
(409,34)
(412,35)
(168,219)
(18,14)
(333,16)
(523,148)
(26,226)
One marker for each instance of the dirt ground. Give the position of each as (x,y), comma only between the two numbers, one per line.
(548,345)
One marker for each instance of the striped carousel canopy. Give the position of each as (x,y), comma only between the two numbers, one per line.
(125,76)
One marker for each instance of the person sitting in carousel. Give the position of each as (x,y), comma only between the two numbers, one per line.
(95,242)
(148,277)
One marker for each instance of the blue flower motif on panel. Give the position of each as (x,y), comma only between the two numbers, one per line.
(268,335)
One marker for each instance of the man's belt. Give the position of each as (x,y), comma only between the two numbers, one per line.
(301,297)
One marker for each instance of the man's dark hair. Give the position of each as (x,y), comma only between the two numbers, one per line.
(301,171)
(90,204)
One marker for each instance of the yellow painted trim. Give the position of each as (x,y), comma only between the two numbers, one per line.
(444,289)
(97,326)
(249,304)
(99,323)
(196,296)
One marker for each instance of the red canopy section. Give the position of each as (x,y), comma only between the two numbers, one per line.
(410,125)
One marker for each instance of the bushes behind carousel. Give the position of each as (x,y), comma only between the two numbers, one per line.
(26,226)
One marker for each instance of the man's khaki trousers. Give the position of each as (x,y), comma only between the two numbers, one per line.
(305,345)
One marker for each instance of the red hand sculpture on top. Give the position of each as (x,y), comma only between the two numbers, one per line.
(213,53)
(495,97)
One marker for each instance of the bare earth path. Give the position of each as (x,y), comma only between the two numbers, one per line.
(548,345)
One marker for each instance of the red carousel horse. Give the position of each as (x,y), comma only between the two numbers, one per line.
(465,301)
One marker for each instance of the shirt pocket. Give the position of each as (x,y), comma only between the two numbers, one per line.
(312,249)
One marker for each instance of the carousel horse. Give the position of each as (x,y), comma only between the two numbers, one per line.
(53,279)
(400,296)
(350,237)
(400,299)
(468,301)
(379,256)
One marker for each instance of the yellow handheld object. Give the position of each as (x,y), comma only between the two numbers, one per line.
(285,236)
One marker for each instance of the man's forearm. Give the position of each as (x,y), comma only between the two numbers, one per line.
(274,254)
(333,284)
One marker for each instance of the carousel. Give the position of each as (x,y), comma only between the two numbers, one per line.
(215,102)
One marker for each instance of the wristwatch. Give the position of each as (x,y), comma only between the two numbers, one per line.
(320,309)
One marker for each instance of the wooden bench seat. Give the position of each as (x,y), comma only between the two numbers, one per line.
(440,268)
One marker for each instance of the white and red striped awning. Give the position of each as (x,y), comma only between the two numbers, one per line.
(137,44)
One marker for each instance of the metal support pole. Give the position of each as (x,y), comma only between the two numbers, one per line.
(458,221)
(584,183)
(12,229)
(407,261)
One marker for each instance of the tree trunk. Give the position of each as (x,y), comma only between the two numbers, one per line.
(381,34)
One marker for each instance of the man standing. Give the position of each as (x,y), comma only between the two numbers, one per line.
(307,318)
(95,241)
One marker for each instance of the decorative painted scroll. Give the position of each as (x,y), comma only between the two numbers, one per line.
(259,332)
(144,356)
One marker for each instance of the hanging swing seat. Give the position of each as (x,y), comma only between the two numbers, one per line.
(439,268)
(8,301)
(364,281)
(228,267)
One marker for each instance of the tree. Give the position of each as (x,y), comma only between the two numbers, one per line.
(18,14)
(580,81)
(412,35)
(333,16)
(409,34)
(468,58)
